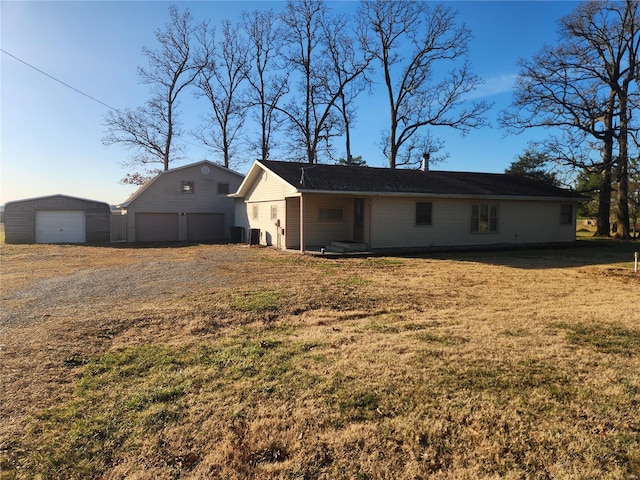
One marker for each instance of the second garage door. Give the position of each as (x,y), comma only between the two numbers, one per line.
(205,227)
(156,227)
(61,226)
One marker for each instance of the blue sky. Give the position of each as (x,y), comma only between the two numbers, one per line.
(51,135)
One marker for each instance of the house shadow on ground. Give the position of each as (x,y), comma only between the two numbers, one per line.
(585,252)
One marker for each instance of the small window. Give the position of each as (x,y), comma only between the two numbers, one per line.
(187,187)
(330,214)
(255,212)
(274,212)
(484,218)
(423,213)
(566,214)
(223,189)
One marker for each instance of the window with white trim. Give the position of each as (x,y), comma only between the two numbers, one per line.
(187,187)
(484,218)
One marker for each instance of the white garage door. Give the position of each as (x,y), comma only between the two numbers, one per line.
(61,226)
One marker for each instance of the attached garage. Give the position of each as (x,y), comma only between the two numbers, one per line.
(57,219)
(157,227)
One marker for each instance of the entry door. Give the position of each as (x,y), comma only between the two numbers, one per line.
(358,219)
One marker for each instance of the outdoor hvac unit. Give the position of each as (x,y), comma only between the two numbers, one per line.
(254,236)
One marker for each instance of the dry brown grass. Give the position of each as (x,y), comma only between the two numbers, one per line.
(232,362)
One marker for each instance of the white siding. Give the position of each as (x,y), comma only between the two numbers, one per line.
(292,231)
(267,192)
(267,187)
(389,221)
(393,223)
(319,232)
(271,229)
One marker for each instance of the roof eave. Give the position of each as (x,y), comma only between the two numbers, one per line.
(441,195)
(250,177)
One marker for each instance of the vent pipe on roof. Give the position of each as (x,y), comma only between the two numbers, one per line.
(425,161)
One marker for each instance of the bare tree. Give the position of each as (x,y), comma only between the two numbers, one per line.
(583,85)
(220,82)
(311,115)
(414,43)
(348,66)
(267,79)
(173,66)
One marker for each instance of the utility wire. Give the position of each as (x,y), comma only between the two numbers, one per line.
(58,80)
(82,93)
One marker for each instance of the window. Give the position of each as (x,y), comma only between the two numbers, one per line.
(187,187)
(255,212)
(423,213)
(566,214)
(484,218)
(330,214)
(223,188)
(274,212)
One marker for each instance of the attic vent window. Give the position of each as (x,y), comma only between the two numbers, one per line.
(187,187)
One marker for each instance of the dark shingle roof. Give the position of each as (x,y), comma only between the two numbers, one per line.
(337,178)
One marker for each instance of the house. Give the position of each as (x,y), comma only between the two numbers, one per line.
(188,203)
(56,219)
(308,207)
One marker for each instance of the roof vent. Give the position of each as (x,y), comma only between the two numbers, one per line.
(425,161)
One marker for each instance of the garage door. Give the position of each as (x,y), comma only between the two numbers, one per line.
(205,227)
(61,226)
(156,227)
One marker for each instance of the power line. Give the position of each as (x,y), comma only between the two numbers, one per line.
(86,94)
(57,80)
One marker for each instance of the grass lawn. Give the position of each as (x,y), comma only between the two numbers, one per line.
(231,362)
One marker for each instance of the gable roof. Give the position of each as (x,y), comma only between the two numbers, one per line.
(321,178)
(151,181)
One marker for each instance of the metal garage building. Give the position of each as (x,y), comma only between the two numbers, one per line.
(57,219)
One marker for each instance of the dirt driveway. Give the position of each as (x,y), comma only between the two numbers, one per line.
(63,304)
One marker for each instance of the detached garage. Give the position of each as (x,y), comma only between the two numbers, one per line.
(57,219)
(184,204)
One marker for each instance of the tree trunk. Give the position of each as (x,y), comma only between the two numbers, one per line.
(622,176)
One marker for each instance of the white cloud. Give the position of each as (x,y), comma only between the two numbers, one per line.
(495,86)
